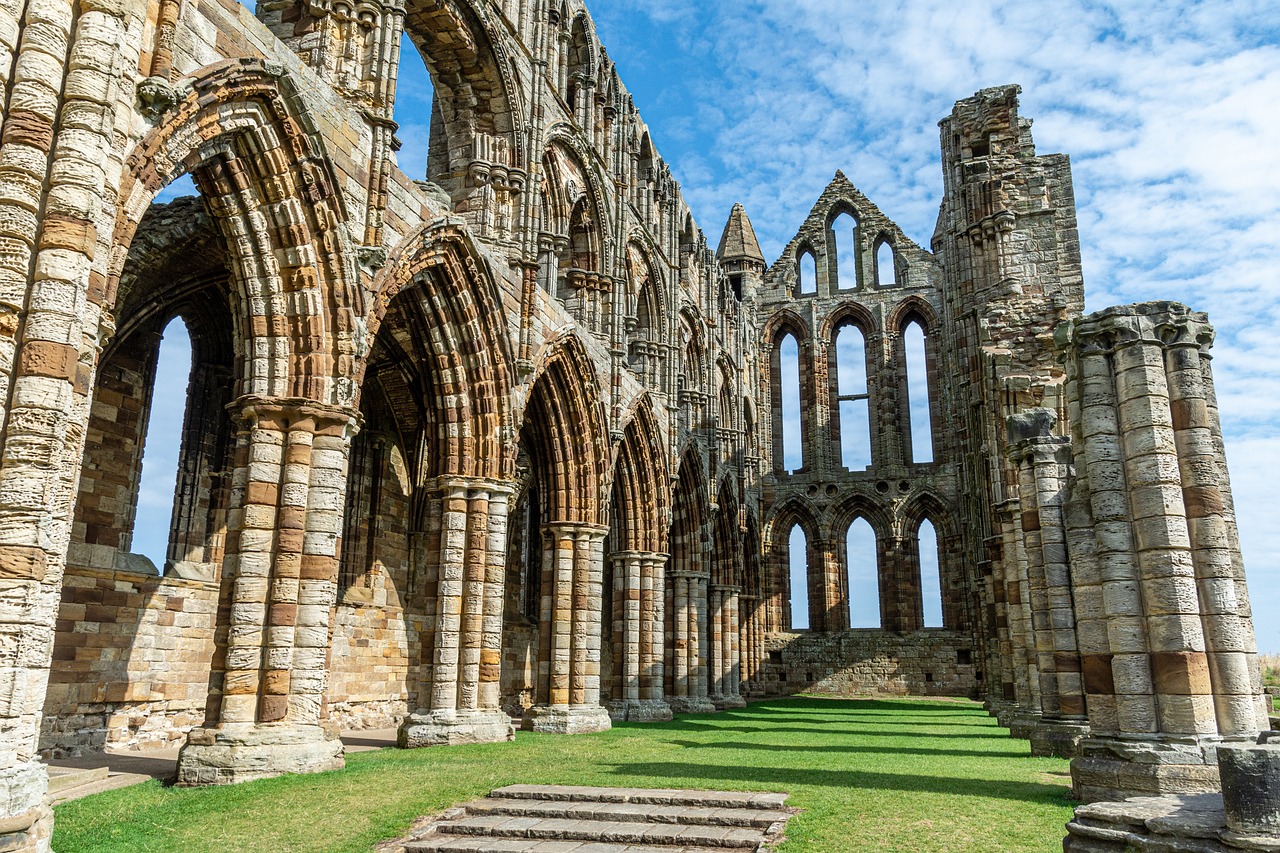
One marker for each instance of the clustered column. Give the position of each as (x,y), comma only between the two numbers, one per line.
(568,696)
(282,568)
(1177,651)
(689,643)
(637,643)
(726,647)
(462,636)
(1042,462)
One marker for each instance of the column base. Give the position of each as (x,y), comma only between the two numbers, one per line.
(1021,724)
(244,752)
(567,719)
(691,705)
(640,711)
(727,701)
(26,820)
(1057,738)
(454,728)
(1114,769)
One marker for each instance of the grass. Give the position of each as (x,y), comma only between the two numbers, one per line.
(1270,670)
(870,775)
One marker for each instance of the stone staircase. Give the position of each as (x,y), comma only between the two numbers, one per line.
(72,783)
(571,819)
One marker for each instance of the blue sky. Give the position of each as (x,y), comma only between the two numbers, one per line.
(1168,110)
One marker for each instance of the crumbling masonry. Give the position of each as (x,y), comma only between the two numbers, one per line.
(504,446)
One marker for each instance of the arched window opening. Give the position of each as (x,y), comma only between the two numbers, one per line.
(789,362)
(918,393)
(864,576)
(531,570)
(844,232)
(180,187)
(886,274)
(798,568)
(851,392)
(930,574)
(808,272)
(158,484)
(584,239)
(749,428)
(414,110)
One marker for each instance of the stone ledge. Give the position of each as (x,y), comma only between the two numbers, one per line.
(242,753)
(453,728)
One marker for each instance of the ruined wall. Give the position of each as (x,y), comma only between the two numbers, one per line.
(875,663)
(131,662)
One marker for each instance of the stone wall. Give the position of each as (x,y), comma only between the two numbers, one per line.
(131,662)
(923,663)
(372,666)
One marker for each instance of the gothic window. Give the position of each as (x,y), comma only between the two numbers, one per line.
(844,234)
(918,393)
(158,483)
(864,579)
(584,239)
(851,392)
(886,274)
(414,110)
(930,574)
(808,272)
(790,404)
(361,518)
(798,568)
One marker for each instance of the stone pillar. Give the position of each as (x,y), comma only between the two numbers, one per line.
(282,568)
(461,688)
(569,635)
(725,652)
(1042,462)
(637,621)
(1022,716)
(1179,648)
(689,653)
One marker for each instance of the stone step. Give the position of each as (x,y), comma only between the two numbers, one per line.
(63,778)
(96,785)
(635,812)
(473,844)
(606,831)
(649,796)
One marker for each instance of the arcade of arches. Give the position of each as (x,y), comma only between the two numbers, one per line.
(507,444)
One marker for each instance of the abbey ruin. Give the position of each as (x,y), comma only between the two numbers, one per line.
(502,445)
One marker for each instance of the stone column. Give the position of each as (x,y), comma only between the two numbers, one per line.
(569,632)
(461,690)
(689,654)
(1154,469)
(637,622)
(282,569)
(1024,713)
(725,653)
(1042,459)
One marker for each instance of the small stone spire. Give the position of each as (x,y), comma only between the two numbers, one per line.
(739,243)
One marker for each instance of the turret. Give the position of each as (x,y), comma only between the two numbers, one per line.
(739,254)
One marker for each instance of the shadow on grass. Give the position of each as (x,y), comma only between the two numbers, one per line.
(854,729)
(863,750)
(785,778)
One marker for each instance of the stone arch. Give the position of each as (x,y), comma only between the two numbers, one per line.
(914,310)
(780,325)
(641,494)
(477,93)
(573,208)
(914,307)
(464,349)
(777,546)
(269,185)
(688,575)
(565,428)
(922,506)
(848,314)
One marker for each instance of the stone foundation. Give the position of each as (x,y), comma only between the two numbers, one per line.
(1194,823)
(691,705)
(28,822)
(1114,769)
(246,752)
(1057,739)
(567,719)
(452,728)
(641,711)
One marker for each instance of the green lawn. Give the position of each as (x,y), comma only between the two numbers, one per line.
(874,775)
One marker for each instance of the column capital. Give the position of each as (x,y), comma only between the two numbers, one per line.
(1152,323)
(453,483)
(283,413)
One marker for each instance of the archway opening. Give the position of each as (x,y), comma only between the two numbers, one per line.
(930,574)
(790,403)
(918,393)
(844,231)
(851,391)
(798,572)
(864,576)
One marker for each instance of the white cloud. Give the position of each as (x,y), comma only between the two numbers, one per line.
(1168,112)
